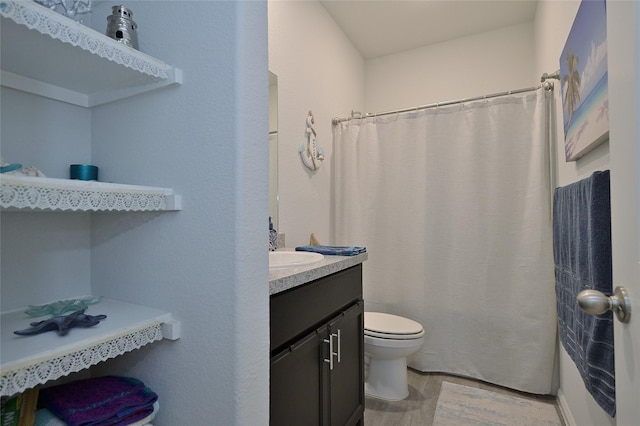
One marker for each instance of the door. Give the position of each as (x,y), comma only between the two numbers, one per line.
(623,56)
(347,377)
(297,381)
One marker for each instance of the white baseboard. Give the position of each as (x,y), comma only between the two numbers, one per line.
(564,410)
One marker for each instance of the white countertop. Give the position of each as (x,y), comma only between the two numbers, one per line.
(287,278)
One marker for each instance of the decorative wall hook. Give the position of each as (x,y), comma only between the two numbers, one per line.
(310,153)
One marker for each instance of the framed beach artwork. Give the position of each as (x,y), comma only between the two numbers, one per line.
(583,75)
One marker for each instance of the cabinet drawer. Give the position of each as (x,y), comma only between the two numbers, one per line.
(301,309)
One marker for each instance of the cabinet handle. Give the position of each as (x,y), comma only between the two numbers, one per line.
(331,352)
(330,360)
(338,346)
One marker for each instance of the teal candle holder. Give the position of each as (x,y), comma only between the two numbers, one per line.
(83,172)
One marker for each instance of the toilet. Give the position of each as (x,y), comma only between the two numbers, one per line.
(388,340)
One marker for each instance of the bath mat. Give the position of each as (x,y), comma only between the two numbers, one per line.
(463,405)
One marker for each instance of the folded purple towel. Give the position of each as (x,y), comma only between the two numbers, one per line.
(100,401)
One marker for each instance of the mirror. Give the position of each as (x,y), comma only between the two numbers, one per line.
(273,149)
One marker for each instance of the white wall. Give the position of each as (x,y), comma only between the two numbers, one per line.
(318,69)
(552,26)
(52,250)
(471,66)
(207,264)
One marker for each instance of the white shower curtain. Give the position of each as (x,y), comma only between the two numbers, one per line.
(453,204)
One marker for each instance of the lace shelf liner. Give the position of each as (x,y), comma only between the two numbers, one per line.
(26,192)
(46,61)
(28,361)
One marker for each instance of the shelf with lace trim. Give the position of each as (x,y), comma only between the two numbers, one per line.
(48,54)
(27,361)
(41,193)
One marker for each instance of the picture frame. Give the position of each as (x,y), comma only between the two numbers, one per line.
(584,81)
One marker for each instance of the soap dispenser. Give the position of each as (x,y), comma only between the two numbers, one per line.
(273,236)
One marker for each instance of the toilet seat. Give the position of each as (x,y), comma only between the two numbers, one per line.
(388,326)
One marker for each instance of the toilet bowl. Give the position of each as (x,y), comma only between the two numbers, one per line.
(388,340)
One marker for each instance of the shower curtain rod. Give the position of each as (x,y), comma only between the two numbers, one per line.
(546,85)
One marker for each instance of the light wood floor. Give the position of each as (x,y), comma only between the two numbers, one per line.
(420,406)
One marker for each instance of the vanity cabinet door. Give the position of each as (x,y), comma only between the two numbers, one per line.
(297,382)
(347,377)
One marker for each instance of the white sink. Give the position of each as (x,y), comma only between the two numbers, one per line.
(292,259)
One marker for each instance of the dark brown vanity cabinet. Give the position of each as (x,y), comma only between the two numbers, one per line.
(311,384)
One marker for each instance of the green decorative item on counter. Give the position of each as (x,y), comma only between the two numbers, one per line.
(62,306)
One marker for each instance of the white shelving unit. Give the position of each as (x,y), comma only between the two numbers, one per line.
(70,62)
(28,361)
(50,55)
(25,192)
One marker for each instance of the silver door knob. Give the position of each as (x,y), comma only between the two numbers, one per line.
(594,302)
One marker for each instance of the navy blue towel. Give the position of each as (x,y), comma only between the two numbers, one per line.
(334,250)
(582,255)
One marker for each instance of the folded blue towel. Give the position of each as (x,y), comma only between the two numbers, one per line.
(582,257)
(334,250)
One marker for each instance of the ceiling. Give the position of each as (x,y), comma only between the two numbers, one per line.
(382,27)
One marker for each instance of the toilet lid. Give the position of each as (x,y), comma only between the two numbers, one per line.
(380,324)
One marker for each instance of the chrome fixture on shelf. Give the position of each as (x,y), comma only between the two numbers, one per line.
(121,27)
